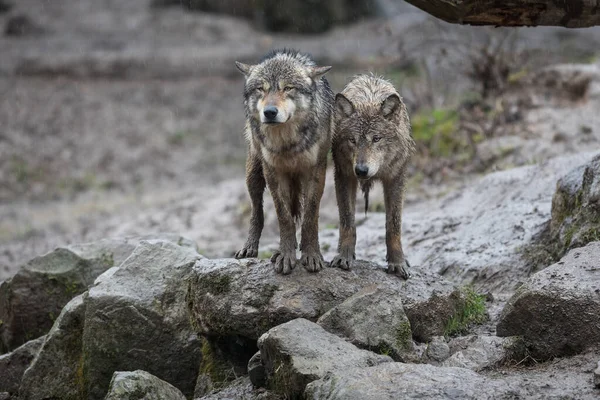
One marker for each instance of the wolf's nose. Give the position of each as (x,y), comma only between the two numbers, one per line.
(270,112)
(361,170)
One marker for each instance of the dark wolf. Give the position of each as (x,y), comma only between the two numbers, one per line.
(371,141)
(289,107)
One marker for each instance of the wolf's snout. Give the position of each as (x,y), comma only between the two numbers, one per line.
(270,113)
(361,170)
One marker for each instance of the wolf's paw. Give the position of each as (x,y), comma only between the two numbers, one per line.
(283,263)
(400,269)
(343,260)
(312,262)
(247,252)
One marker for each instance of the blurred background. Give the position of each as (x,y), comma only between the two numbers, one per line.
(126,117)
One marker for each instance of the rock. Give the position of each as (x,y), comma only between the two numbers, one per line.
(241,389)
(597,376)
(480,352)
(33,298)
(557,311)
(57,370)
(575,219)
(406,381)
(437,349)
(137,319)
(256,371)
(13,365)
(134,385)
(246,298)
(300,351)
(517,13)
(373,319)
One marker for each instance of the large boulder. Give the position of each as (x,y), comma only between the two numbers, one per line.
(406,381)
(14,364)
(134,385)
(570,14)
(246,297)
(136,318)
(373,319)
(32,299)
(576,208)
(57,369)
(298,352)
(557,311)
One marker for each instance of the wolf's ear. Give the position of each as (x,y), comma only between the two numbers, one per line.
(343,105)
(389,105)
(244,68)
(317,72)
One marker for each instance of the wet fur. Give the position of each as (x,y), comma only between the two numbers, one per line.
(290,157)
(370,108)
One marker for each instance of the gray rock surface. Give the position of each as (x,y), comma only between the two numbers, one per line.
(557,311)
(137,319)
(241,389)
(135,385)
(57,370)
(298,352)
(247,298)
(14,364)
(437,350)
(32,299)
(477,352)
(256,370)
(406,381)
(597,376)
(373,319)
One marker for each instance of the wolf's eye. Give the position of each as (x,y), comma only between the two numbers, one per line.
(288,88)
(352,140)
(376,139)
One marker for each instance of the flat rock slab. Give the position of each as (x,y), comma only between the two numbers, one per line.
(298,352)
(394,381)
(373,319)
(32,299)
(246,297)
(557,311)
(135,385)
(14,364)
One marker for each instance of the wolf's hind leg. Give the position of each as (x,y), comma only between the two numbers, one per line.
(255,182)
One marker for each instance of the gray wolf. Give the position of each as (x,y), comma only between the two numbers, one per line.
(289,106)
(371,142)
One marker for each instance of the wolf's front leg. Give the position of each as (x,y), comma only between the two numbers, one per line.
(394,196)
(284,259)
(255,182)
(345,190)
(314,184)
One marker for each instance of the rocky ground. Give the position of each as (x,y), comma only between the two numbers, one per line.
(125,123)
